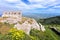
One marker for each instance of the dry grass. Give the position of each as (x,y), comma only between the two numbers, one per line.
(4,28)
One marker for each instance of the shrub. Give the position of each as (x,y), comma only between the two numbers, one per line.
(15,34)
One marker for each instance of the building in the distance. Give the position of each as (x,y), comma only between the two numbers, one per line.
(12,16)
(16,14)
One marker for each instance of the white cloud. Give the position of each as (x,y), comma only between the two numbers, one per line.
(11,1)
(56,6)
(34,4)
(35,0)
(17,4)
(22,6)
(43,2)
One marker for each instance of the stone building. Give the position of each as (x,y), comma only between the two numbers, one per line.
(16,14)
(11,16)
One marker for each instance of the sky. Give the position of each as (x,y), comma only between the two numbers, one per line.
(31,6)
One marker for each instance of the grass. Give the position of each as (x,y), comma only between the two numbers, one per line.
(52,34)
(47,35)
(34,34)
(5,27)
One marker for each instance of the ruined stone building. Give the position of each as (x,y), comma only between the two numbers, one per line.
(11,16)
(16,14)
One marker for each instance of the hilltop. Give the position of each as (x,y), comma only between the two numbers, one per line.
(8,31)
(13,26)
(20,22)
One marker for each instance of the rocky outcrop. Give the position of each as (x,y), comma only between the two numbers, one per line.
(41,27)
(26,26)
(29,24)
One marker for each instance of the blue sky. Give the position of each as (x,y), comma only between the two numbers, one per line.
(31,6)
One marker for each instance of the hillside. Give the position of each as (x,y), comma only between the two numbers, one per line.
(8,32)
(52,20)
(17,27)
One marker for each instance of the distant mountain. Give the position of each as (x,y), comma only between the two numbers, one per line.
(51,20)
(40,15)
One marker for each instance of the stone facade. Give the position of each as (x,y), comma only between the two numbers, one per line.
(11,17)
(16,14)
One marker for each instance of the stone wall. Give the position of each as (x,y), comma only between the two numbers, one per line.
(16,14)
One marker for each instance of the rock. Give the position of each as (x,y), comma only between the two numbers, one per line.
(42,27)
(26,26)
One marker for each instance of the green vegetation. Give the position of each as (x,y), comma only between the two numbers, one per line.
(52,20)
(7,32)
(15,34)
(47,35)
